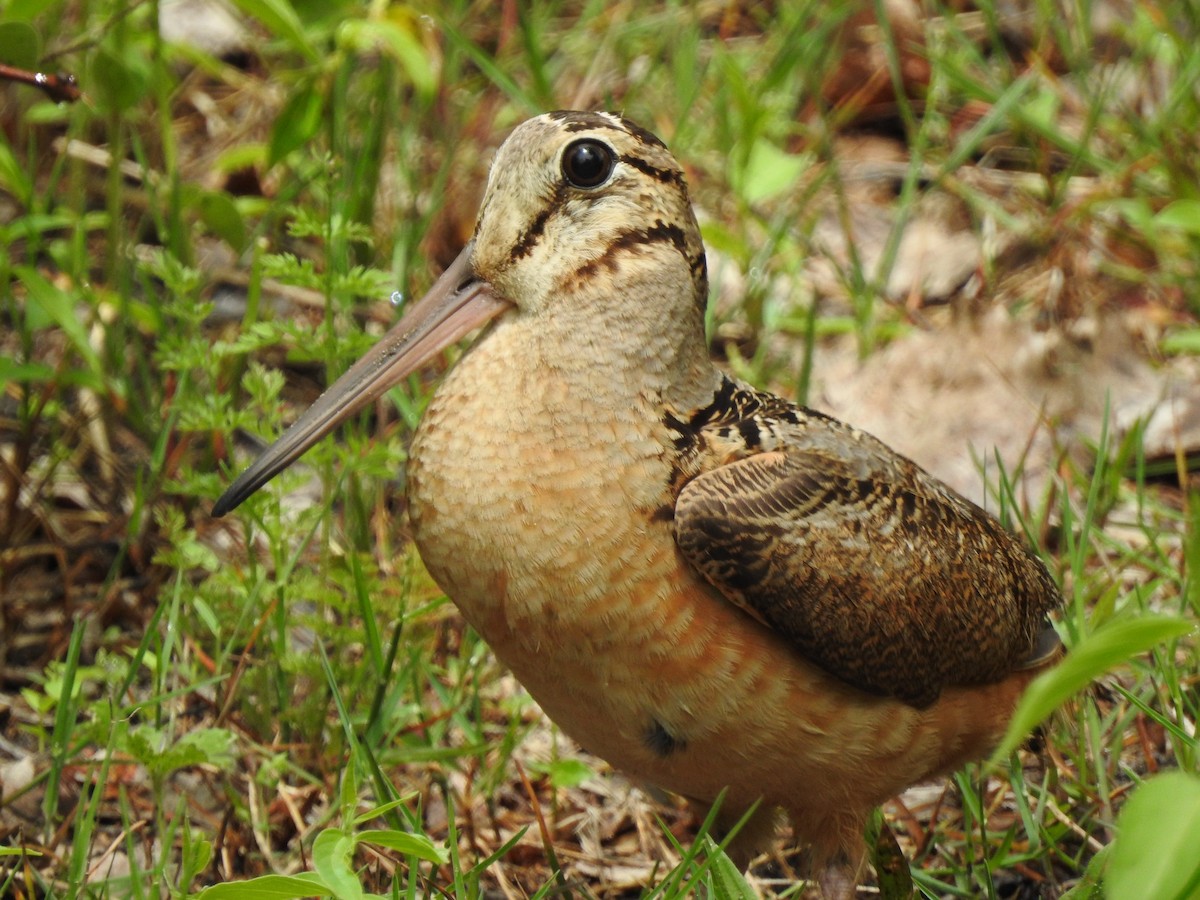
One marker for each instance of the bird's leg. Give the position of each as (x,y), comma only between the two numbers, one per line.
(838,879)
(839,849)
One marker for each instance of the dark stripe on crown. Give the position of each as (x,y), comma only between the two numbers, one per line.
(586,121)
(646,137)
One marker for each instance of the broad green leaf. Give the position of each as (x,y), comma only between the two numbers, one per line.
(1157,851)
(118,81)
(221,216)
(25,10)
(20,45)
(296,124)
(1112,644)
(770,171)
(331,856)
(50,305)
(199,854)
(1182,215)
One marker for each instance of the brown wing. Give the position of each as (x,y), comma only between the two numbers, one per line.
(870,567)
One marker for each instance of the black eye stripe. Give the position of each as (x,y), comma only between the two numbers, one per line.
(531,235)
(588,163)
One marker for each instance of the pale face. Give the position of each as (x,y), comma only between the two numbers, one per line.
(565,190)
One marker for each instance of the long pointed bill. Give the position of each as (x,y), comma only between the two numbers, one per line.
(457,303)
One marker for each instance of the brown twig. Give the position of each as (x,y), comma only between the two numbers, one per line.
(61,87)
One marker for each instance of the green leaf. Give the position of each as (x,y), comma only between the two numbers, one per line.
(20,851)
(1157,851)
(216,745)
(1134,210)
(279,17)
(331,855)
(48,112)
(1088,887)
(417,845)
(199,854)
(376,811)
(212,746)
(397,40)
(297,123)
(1042,109)
(119,81)
(20,45)
(13,372)
(1181,342)
(769,171)
(26,10)
(220,216)
(565,773)
(1182,215)
(268,887)
(1112,644)
(241,156)
(13,177)
(727,879)
(49,305)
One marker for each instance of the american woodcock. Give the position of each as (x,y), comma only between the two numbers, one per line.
(707,585)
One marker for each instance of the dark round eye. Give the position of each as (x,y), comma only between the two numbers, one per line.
(587,163)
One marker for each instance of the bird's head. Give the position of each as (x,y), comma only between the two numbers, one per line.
(578,205)
(584,198)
